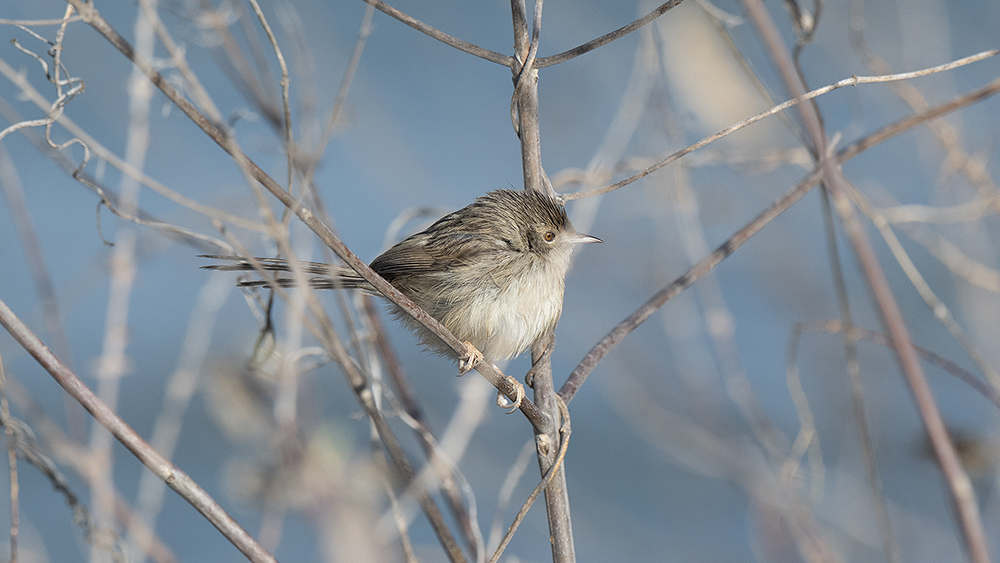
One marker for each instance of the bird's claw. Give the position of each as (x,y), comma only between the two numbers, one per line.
(469,359)
(529,378)
(505,403)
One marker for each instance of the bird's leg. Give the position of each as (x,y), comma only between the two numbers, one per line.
(529,378)
(505,403)
(469,359)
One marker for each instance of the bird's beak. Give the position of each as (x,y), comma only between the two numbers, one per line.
(578,238)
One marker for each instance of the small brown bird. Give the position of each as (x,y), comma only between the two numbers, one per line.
(493,272)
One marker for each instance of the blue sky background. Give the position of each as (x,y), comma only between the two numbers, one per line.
(664,464)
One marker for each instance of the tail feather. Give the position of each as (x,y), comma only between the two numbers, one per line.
(322,276)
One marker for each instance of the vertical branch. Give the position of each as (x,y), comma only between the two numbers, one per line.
(547,448)
(962,495)
(113,365)
(526,101)
(524,104)
(106,416)
(519,15)
(8,426)
(524,113)
(850,340)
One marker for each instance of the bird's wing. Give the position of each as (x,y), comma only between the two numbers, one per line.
(424,253)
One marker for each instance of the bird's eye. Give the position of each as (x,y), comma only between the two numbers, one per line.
(549,236)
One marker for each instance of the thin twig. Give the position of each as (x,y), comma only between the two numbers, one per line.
(345,83)
(962,374)
(602,348)
(286,124)
(852,81)
(555,469)
(15,487)
(959,486)
(607,37)
(217,134)
(507,60)
(162,467)
(476,50)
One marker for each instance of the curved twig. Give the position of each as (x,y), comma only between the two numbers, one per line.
(565,432)
(607,37)
(852,81)
(470,48)
(172,475)
(602,348)
(215,131)
(507,60)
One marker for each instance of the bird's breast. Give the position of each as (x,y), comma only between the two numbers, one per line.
(510,311)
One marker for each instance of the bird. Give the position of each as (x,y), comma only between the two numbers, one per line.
(493,273)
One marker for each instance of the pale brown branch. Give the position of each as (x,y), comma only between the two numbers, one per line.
(222,138)
(548,478)
(852,81)
(470,48)
(179,481)
(613,338)
(525,116)
(959,486)
(26,23)
(962,374)
(607,37)
(8,427)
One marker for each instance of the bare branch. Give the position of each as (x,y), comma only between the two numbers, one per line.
(962,374)
(161,466)
(606,38)
(26,23)
(286,124)
(222,138)
(553,471)
(960,488)
(852,81)
(492,56)
(602,348)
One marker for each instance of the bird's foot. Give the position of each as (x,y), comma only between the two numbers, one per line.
(469,359)
(502,400)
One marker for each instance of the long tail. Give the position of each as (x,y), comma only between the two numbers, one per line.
(321,276)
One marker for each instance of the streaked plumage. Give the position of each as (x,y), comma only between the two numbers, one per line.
(492,272)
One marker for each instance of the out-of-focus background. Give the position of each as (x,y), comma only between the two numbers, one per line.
(723,429)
